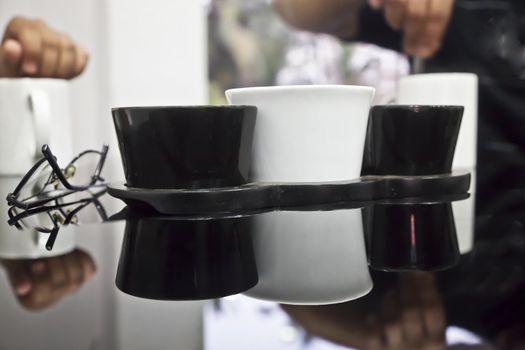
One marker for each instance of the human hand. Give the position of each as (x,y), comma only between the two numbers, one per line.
(40,283)
(31,48)
(413,317)
(410,318)
(423,22)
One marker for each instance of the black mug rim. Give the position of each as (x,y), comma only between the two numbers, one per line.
(244,115)
(413,107)
(181,108)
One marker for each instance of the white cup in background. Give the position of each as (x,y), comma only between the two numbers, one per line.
(310,133)
(464,217)
(310,258)
(452,89)
(33,112)
(448,89)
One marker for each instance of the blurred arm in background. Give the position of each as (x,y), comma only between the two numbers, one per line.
(41,283)
(421,22)
(411,317)
(337,17)
(31,48)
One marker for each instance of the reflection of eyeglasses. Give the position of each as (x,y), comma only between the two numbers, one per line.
(49,218)
(42,183)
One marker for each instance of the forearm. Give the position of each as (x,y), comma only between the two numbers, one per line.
(337,17)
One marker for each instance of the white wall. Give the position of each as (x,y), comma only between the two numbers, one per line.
(157,52)
(141,53)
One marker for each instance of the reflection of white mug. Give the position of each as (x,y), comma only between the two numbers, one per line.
(448,89)
(310,257)
(27,244)
(32,112)
(464,217)
(311,133)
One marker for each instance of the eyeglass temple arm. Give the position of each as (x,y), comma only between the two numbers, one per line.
(94,200)
(101,162)
(12,197)
(52,238)
(15,218)
(46,151)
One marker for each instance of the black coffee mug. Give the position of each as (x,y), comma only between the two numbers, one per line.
(169,259)
(185,147)
(404,237)
(411,140)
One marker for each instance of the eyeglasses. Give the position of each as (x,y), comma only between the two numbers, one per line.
(48,196)
(46,181)
(49,218)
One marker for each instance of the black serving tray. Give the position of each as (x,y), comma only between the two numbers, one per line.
(272,196)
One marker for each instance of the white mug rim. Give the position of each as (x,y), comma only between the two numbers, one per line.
(440,76)
(288,88)
(5,81)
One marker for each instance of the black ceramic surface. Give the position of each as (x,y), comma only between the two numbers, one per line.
(186,259)
(411,140)
(185,147)
(403,237)
(255,197)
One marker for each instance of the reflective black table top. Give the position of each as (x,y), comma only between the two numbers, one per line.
(412,274)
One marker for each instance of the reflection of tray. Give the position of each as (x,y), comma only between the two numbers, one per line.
(269,196)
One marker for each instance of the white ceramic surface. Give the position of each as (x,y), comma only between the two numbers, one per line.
(310,258)
(310,133)
(464,217)
(33,112)
(448,89)
(28,244)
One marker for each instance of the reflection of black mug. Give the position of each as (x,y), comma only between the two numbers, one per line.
(411,140)
(185,147)
(411,236)
(170,259)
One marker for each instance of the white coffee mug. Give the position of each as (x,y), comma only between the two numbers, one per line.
(464,217)
(448,89)
(27,244)
(33,112)
(310,258)
(311,133)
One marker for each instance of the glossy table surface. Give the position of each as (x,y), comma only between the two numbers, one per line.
(422,273)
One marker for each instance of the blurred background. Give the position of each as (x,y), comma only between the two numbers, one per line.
(249,45)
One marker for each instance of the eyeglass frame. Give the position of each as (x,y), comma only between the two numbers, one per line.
(12,198)
(68,217)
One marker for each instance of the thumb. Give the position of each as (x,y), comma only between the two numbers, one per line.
(10,56)
(12,51)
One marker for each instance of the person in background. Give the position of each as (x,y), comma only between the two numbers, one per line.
(486,38)
(422,23)
(30,48)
